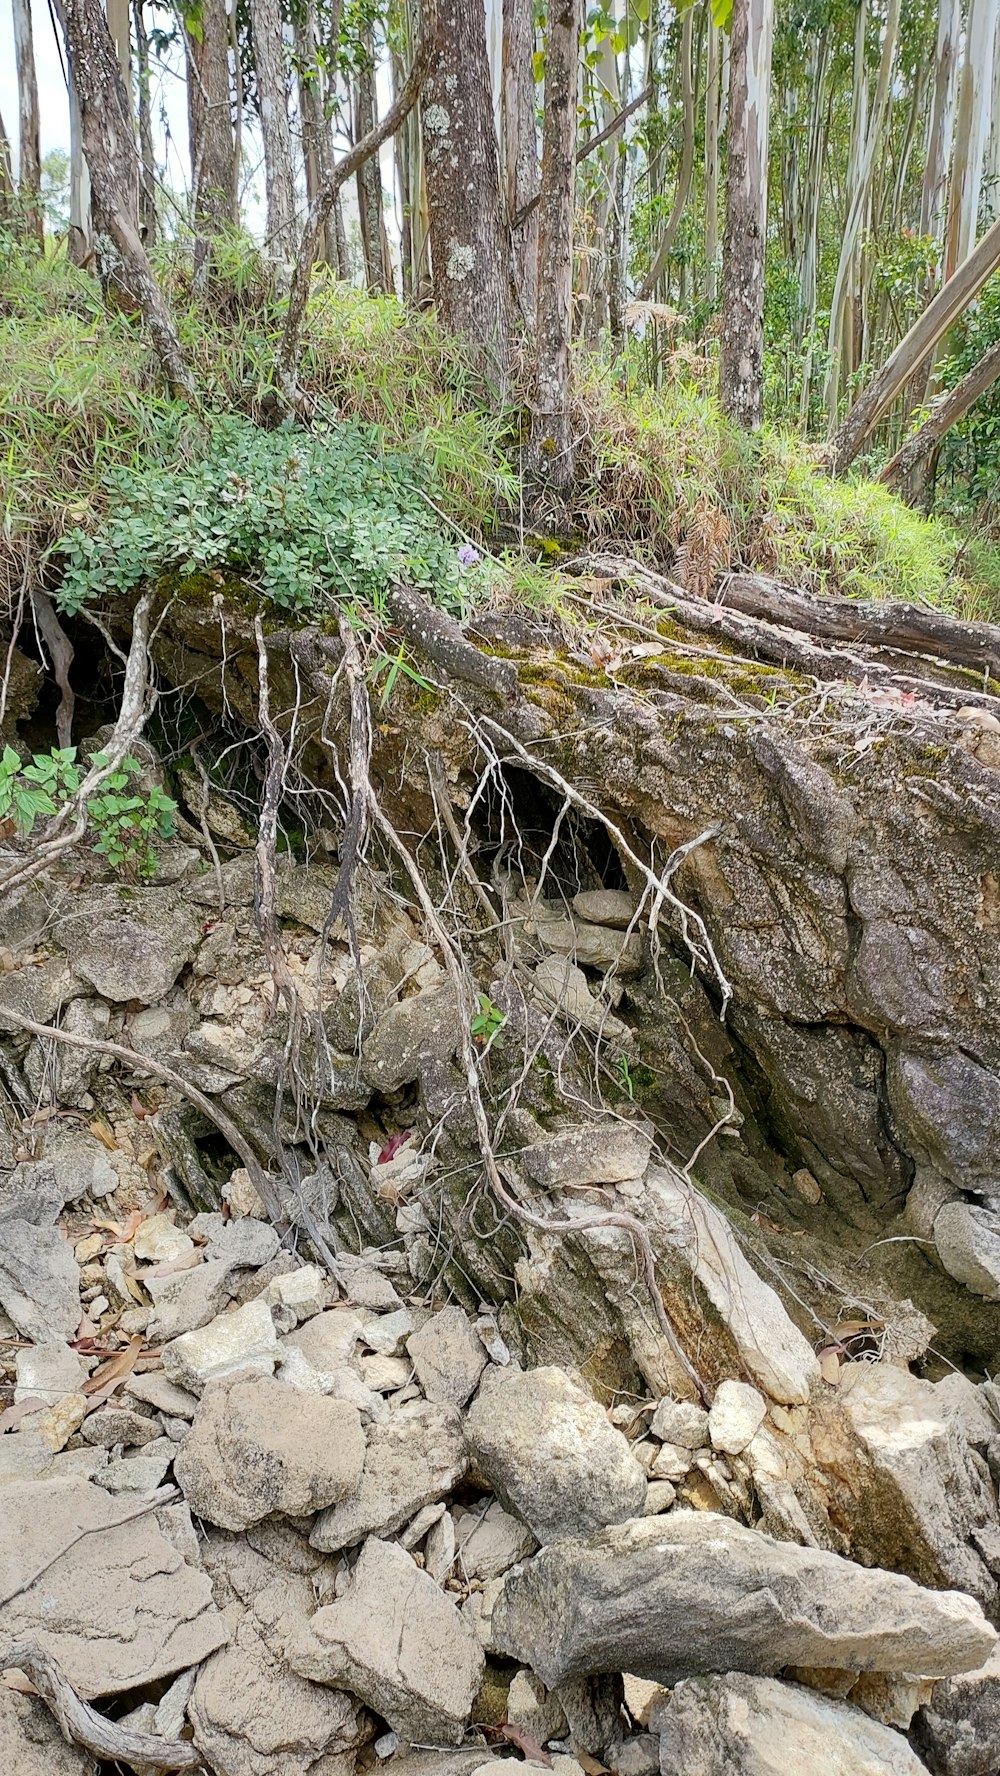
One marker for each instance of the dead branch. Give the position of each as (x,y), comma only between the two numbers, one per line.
(61,654)
(82,1725)
(145,1064)
(587,148)
(136,705)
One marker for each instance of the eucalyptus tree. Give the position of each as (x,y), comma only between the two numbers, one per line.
(551,452)
(741,320)
(29,183)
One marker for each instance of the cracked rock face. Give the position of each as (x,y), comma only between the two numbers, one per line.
(410,1462)
(258,1446)
(719,1725)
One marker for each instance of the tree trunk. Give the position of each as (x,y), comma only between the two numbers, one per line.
(6,177)
(972,132)
(520,144)
(950,302)
(941,129)
(147,178)
(470,242)
(686,168)
(947,411)
(112,157)
(552,456)
(741,367)
(210,120)
(370,174)
(29,183)
(713,107)
(317,147)
(272,99)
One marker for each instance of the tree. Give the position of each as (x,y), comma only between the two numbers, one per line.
(272,104)
(29,184)
(210,118)
(946,412)
(6,177)
(741,324)
(551,453)
(470,250)
(109,145)
(520,146)
(971,132)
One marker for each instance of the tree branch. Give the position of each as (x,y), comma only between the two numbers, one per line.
(82,1725)
(610,129)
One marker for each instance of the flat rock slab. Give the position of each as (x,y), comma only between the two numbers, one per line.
(552,1457)
(258,1446)
(693,1592)
(253,1716)
(39,1281)
(590,1153)
(755,1726)
(113,1602)
(242,1339)
(412,1460)
(398,1642)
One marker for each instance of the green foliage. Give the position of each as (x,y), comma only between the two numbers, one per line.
(486,1025)
(306,519)
(124,822)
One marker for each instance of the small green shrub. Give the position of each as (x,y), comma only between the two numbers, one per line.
(124,822)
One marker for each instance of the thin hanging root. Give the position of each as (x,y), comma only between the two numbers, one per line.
(460,981)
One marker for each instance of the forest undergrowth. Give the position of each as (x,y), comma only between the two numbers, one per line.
(411,466)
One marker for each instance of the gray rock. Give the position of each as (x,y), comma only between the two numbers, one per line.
(591,1153)
(563,988)
(329,1340)
(691,1592)
(242,1339)
(738,1411)
(140,1474)
(411,1461)
(135,946)
(490,1541)
(551,1456)
(253,1716)
(448,1356)
(245,1244)
(681,1422)
(188,1299)
(48,1371)
(158,1240)
(31,1743)
(409,1036)
(148,1616)
(59,1074)
(755,1726)
(37,993)
(594,946)
(257,1446)
(958,1731)
(155,1390)
(39,1282)
(117,1424)
(367,1287)
(303,1292)
(605,906)
(968,1243)
(397,1642)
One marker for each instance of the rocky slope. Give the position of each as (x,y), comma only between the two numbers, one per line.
(526,1288)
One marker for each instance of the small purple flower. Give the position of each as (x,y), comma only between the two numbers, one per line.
(468,555)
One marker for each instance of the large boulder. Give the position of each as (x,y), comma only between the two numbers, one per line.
(113,1601)
(398,1642)
(257,1446)
(552,1457)
(755,1726)
(692,1592)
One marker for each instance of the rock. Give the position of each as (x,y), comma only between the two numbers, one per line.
(31,1743)
(672,1463)
(38,993)
(677,1596)
(957,1731)
(439,1548)
(385,1374)
(680,1422)
(137,1473)
(605,906)
(47,1372)
(242,1339)
(39,1281)
(117,1424)
(257,1446)
(738,1411)
(530,1707)
(806,1185)
(154,1388)
(367,1287)
(967,1237)
(755,1726)
(59,1074)
(241,1195)
(448,1357)
(563,988)
(245,1244)
(490,1541)
(329,1340)
(606,1152)
(552,1458)
(135,946)
(253,1716)
(156,1240)
(302,1290)
(639,1757)
(62,1421)
(660,1496)
(341,1384)
(148,1616)
(411,1461)
(78,1164)
(188,1299)
(593,946)
(919,1499)
(388,1333)
(409,1036)
(397,1642)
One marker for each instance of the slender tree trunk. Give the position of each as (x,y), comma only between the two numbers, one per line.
(470,241)
(210,119)
(552,457)
(713,111)
(29,183)
(741,368)
(6,177)
(79,245)
(972,131)
(370,175)
(941,129)
(109,144)
(686,169)
(947,411)
(272,98)
(951,301)
(520,141)
(147,176)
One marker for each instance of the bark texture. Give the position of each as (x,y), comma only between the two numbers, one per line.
(552,456)
(210,120)
(741,384)
(520,159)
(272,98)
(29,152)
(469,237)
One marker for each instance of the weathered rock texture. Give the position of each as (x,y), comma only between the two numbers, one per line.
(719,1725)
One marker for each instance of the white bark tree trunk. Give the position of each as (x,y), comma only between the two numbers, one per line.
(941,125)
(272,92)
(520,145)
(972,131)
(741,366)
(29,180)
(551,452)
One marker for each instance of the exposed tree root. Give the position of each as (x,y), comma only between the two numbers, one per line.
(82,1725)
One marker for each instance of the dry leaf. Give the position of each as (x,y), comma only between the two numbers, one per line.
(167,1266)
(113,1372)
(829,1367)
(86,1330)
(103,1132)
(16,1680)
(139,1109)
(534,1752)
